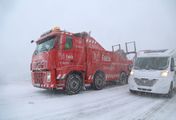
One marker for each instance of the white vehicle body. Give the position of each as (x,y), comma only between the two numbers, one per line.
(153,71)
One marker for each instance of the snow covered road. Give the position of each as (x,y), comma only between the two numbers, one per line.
(24,102)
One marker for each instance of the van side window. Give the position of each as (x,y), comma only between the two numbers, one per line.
(68,43)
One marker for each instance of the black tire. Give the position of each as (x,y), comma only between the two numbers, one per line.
(132,91)
(123,78)
(73,84)
(99,81)
(170,93)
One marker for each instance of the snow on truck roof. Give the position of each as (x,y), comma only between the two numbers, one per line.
(156,53)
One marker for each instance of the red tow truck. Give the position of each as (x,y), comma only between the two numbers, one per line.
(71,61)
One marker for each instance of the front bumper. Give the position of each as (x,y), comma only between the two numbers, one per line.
(47,86)
(160,86)
(40,80)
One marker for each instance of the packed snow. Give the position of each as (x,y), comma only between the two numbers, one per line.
(22,101)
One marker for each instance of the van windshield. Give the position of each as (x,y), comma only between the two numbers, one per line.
(45,45)
(154,63)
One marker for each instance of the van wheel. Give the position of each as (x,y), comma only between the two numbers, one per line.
(133,91)
(170,93)
(98,82)
(123,78)
(73,84)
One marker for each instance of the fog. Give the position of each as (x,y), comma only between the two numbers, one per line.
(151,23)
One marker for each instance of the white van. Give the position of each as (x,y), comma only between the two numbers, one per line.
(154,71)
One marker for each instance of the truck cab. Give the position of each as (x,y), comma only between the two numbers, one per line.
(54,57)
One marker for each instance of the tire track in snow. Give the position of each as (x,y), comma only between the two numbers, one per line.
(55,101)
(167,111)
(94,108)
(148,115)
(91,104)
(113,102)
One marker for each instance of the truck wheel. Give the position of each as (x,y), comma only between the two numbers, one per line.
(170,93)
(98,82)
(123,78)
(73,84)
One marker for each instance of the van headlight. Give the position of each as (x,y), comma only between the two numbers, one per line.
(48,76)
(132,72)
(164,73)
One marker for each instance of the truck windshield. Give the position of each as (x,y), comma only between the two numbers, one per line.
(154,63)
(45,45)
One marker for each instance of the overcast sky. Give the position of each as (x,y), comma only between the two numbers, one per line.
(151,23)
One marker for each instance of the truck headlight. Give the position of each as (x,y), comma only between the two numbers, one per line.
(132,72)
(48,76)
(164,73)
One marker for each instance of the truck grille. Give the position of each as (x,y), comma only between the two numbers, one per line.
(145,81)
(39,77)
(39,65)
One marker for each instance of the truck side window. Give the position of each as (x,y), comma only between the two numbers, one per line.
(68,43)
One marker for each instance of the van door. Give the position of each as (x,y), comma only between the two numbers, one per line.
(173,70)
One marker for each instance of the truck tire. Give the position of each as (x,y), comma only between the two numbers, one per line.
(73,84)
(123,78)
(170,93)
(98,82)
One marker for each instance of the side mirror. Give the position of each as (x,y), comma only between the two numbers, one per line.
(173,68)
(32,41)
(130,67)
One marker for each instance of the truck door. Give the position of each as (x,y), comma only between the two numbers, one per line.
(67,51)
(78,51)
(73,51)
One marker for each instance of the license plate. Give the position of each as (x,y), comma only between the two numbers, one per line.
(37,85)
